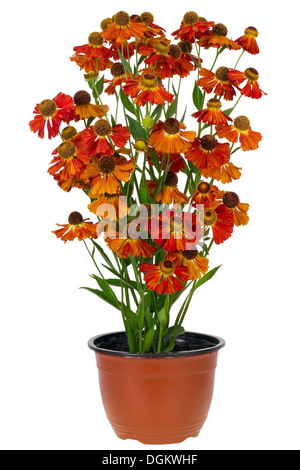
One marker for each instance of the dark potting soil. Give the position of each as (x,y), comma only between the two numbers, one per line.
(179,347)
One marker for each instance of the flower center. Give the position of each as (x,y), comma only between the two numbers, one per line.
(95,39)
(91,75)
(68,133)
(204,187)
(222,74)
(252,74)
(147,17)
(190,254)
(231,200)
(171,126)
(106,165)
(214,104)
(47,108)
(117,70)
(122,19)
(242,123)
(148,80)
(171,179)
(186,46)
(82,97)
(177,223)
(210,217)
(75,218)
(167,267)
(190,18)
(219,30)
(202,19)
(175,51)
(162,47)
(104,23)
(251,31)
(136,18)
(102,127)
(208,142)
(66,150)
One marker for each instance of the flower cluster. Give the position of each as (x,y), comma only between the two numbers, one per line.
(153,184)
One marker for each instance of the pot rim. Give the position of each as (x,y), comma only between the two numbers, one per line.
(218,343)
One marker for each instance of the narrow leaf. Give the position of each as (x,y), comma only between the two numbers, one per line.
(125,63)
(127,103)
(102,296)
(148,338)
(135,129)
(175,330)
(172,108)
(207,277)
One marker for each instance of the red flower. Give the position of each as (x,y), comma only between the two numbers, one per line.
(220,82)
(193,27)
(251,89)
(221,221)
(163,278)
(94,56)
(207,152)
(212,114)
(145,88)
(248,40)
(96,139)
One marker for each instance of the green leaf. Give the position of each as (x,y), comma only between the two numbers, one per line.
(170,346)
(157,112)
(103,284)
(127,103)
(102,296)
(124,282)
(125,63)
(207,277)
(228,111)
(175,330)
(197,96)
(148,338)
(135,129)
(104,255)
(130,284)
(183,117)
(89,121)
(100,85)
(172,108)
(113,122)
(132,342)
(155,160)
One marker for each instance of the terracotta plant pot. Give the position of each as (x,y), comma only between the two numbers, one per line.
(157,399)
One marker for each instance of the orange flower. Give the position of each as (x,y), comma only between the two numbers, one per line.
(240,131)
(105,175)
(109,206)
(218,39)
(67,163)
(123,28)
(146,89)
(192,26)
(163,278)
(152,29)
(170,137)
(170,194)
(212,114)
(74,182)
(239,209)
(197,265)
(205,194)
(251,89)
(207,152)
(128,243)
(221,222)
(96,139)
(224,173)
(84,109)
(76,228)
(220,82)
(118,72)
(53,113)
(248,40)
(94,56)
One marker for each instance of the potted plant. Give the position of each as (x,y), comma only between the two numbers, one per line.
(153,186)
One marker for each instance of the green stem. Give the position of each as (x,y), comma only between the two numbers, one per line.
(239,59)
(93,259)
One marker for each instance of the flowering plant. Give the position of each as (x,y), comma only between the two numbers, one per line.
(131,166)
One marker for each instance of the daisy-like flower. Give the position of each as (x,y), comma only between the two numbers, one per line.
(163,278)
(175,232)
(109,206)
(207,152)
(105,175)
(77,227)
(212,114)
(197,265)
(239,209)
(205,194)
(251,89)
(221,222)
(123,28)
(84,109)
(193,26)
(240,131)
(118,72)
(96,139)
(162,56)
(218,38)
(182,64)
(67,162)
(225,173)
(220,82)
(128,243)
(94,56)
(171,137)
(152,29)
(146,89)
(248,40)
(170,194)
(74,182)
(52,113)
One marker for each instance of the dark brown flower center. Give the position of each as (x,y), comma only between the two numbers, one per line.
(47,108)
(66,150)
(210,217)
(222,74)
(117,70)
(82,97)
(167,267)
(242,123)
(231,200)
(202,19)
(190,18)
(204,187)
(190,254)
(219,30)
(95,39)
(214,103)
(148,80)
(75,218)
(171,180)
(106,165)
(104,23)
(68,133)
(162,47)
(186,46)
(208,142)
(122,18)
(136,18)
(102,127)
(251,31)
(91,75)
(171,126)
(147,17)
(175,51)
(252,74)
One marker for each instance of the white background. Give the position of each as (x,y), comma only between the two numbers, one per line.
(49,386)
